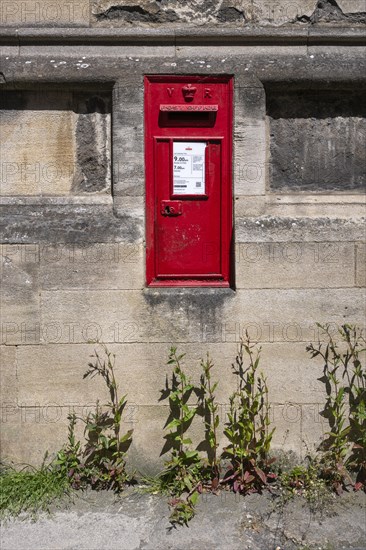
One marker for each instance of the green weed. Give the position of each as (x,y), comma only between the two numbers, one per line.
(181,474)
(30,490)
(247,427)
(100,463)
(344,378)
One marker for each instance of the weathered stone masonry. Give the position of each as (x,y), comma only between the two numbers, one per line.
(72,205)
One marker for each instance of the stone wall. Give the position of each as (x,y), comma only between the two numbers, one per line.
(73,252)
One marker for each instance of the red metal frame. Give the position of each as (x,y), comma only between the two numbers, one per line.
(219,131)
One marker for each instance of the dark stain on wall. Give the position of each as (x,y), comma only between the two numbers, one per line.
(229,15)
(186,314)
(317,140)
(92,139)
(328,11)
(131,14)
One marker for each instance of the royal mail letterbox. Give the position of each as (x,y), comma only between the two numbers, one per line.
(188,157)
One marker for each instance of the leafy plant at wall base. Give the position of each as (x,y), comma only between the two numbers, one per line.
(68,459)
(181,475)
(305,480)
(101,462)
(209,410)
(344,378)
(247,427)
(106,447)
(183,509)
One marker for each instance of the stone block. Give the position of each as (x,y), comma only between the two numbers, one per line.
(250,104)
(299,427)
(248,52)
(81,316)
(250,168)
(7,51)
(88,55)
(8,376)
(129,141)
(130,93)
(129,176)
(54,373)
(291,373)
(352,6)
(299,227)
(44,13)
(98,266)
(295,265)
(286,419)
(280,12)
(29,432)
(361,264)
(250,142)
(52,376)
(280,315)
(149,426)
(43,160)
(314,426)
(19,301)
(317,141)
(310,206)
(71,222)
(62,142)
(199,315)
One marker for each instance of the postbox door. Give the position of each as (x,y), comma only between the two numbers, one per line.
(188,209)
(188,127)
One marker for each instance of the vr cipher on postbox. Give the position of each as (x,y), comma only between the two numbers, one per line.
(188,158)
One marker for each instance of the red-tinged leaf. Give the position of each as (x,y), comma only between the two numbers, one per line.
(271,476)
(236,486)
(358,486)
(246,475)
(230,477)
(248,478)
(261,474)
(199,488)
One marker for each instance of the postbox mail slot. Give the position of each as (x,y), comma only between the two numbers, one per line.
(189,108)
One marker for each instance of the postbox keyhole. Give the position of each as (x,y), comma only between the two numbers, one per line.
(169,210)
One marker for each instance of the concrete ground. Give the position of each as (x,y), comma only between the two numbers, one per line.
(138,521)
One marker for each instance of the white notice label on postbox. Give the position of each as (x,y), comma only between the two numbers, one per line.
(189,168)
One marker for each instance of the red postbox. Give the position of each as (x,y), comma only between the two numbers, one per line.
(188,158)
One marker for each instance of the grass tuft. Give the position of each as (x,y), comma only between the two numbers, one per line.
(30,490)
